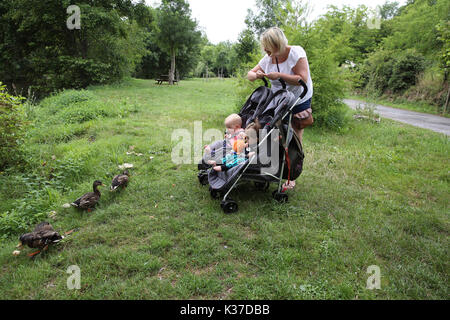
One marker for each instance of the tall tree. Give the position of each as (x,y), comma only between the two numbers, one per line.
(268,15)
(246,46)
(177,31)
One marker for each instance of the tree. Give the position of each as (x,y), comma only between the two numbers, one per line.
(38,51)
(267,16)
(246,46)
(389,10)
(177,31)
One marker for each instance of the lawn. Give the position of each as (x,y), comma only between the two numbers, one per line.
(376,194)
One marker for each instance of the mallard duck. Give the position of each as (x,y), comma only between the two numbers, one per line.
(121,180)
(42,236)
(90,199)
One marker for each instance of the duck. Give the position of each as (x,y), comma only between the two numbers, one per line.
(42,236)
(90,199)
(121,180)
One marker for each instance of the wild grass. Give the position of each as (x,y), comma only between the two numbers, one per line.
(377,194)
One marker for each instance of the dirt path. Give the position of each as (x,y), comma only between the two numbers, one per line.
(418,119)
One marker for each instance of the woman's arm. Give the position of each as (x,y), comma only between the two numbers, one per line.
(255,73)
(300,72)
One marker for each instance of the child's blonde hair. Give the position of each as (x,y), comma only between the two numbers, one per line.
(274,40)
(233,120)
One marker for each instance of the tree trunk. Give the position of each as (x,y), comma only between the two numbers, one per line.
(172,68)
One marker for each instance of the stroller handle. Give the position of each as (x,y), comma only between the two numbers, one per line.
(283,83)
(305,88)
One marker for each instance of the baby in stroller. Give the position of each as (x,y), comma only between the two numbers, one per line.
(236,139)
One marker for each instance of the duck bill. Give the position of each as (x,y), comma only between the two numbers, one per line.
(20,245)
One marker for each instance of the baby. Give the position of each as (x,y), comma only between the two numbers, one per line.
(233,125)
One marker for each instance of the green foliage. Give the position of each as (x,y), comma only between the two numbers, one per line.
(328,110)
(246,47)
(39,53)
(405,70)
(443,29)
(12,127)
(415,27)
(268,15)
(392,71)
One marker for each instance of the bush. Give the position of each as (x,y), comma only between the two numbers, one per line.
(329,89)
(405,70)
(391,71)
(12,127)
(430,87)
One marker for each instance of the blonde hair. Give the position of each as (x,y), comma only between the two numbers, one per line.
(274,40)
(233,120)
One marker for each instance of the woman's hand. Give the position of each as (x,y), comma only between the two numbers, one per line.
(273,75)
(260,74)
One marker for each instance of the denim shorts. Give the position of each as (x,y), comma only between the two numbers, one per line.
(302,106)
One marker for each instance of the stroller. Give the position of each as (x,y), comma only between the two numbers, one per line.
(273,111)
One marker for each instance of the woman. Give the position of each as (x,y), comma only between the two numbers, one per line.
(290,64)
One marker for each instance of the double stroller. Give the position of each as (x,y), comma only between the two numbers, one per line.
(277,154)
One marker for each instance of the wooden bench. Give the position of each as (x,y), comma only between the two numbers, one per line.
(165,78)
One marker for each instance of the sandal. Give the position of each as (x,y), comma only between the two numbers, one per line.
(289,185)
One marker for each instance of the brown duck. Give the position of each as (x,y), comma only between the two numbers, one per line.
(121,180)
(42,236)
(90,199)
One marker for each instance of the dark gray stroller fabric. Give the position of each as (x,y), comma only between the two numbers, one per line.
(222,179)
(254,105)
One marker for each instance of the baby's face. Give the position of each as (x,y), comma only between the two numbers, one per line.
(233,128)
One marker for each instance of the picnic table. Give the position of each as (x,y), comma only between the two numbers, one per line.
(165,78)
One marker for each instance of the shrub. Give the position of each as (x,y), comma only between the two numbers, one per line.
(391,71)
(12,127)
(405,69)
(430,87)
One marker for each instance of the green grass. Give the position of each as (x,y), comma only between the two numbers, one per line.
(377,194)
(403,104)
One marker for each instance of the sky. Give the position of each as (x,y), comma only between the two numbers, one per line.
(223,20)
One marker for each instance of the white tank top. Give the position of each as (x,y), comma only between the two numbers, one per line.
(295,54)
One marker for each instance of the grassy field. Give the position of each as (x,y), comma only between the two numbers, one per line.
(377,194)
(406,105)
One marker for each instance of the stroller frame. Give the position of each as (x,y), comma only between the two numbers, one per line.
(228,205)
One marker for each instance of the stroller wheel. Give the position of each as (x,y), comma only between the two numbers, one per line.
(229,206)
(280,196)
(203,178)
(263,186)
(215,194)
